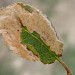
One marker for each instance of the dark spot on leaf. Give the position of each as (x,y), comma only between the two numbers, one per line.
(18,30)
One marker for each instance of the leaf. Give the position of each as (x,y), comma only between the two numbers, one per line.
(32,40)
(37,46)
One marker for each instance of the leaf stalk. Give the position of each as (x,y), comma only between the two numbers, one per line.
(65,66)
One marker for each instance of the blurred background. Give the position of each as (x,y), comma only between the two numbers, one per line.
(62,15)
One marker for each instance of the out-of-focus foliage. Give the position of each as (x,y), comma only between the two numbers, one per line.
(49,4)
